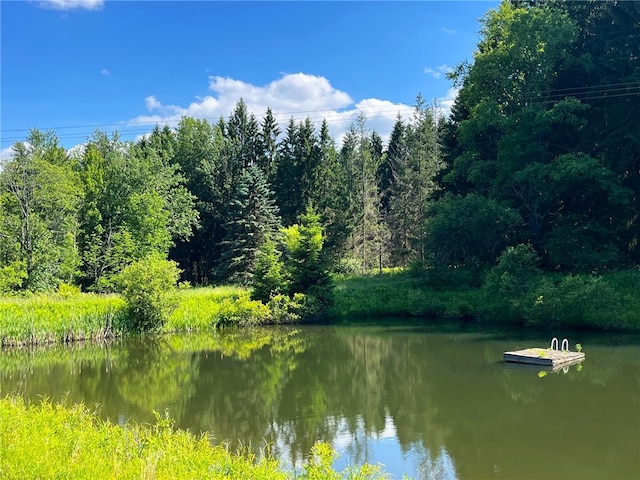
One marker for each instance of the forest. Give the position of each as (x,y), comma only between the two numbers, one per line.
(530,185)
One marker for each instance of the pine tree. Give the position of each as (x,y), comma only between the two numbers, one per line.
(268,159)
(368,232)
(252,220)
(305,261)
(287,178)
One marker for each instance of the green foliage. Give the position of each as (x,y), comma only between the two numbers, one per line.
(471,274)
(306,266)
(147,286)
(12,276)
(516,274)
(58,441)
(318,467)
(41,319)
(205,308)
(609,301)
(285,309)
(68,441)
(527,133)
(135,205)
(268,278)
(577,300)
(252,220)
(39,203)
(471,227)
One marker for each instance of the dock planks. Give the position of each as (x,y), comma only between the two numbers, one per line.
(544,356)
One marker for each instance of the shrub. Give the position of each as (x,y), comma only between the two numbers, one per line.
(577,300)
(510,284)
(146,286)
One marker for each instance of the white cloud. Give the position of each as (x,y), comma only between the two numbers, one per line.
(438,71)
(297,95)
(445,103)
(6,153)
(77,151)
(105,72)
(152,103)
(72,4)
(448,31)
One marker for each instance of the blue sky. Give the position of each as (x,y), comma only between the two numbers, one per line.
(79,65)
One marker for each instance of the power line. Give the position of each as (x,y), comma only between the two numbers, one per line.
(133,128)
(583,93)
(335,112)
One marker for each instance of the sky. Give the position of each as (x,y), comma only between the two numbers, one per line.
(76,66)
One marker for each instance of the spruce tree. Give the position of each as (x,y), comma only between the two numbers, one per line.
(252,220)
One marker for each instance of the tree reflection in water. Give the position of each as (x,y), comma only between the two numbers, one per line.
(429,404)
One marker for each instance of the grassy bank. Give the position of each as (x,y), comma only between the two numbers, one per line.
(54,318)
(602,302)
(606,302)
(56,441)
(42,319)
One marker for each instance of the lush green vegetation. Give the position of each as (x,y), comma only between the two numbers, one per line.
(514,291)
(48,318)
(59,441)
(524,295)
(53,318)
(538,157)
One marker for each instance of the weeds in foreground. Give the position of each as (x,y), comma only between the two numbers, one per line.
(50,440)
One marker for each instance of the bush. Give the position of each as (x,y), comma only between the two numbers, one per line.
(510,285)
(577,300)
(285,309)
(146,286)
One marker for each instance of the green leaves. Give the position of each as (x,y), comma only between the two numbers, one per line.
(472,227)
(146,286)
(39,203)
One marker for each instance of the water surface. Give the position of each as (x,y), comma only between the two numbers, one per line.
(432,403)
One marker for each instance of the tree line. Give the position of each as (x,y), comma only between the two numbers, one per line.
(541,151)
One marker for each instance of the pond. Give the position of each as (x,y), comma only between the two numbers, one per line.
(432,403)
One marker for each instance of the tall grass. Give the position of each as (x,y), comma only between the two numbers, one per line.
(42,319)
(202,308)
(54,318)
(56,441)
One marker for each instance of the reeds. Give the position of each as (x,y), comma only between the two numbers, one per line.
(42,319)
(202,308)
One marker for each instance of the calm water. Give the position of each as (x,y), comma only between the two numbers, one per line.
(431,404)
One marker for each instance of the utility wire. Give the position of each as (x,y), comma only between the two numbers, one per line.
(141,127)
(131,128)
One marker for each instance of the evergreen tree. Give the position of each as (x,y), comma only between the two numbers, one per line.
(287,185)
(305,261)
(368,233)
(201,153)
(396,196)
(332,196)
(252,220)
(269,276)
(268,160)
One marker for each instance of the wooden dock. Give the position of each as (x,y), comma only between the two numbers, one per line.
(544,356)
